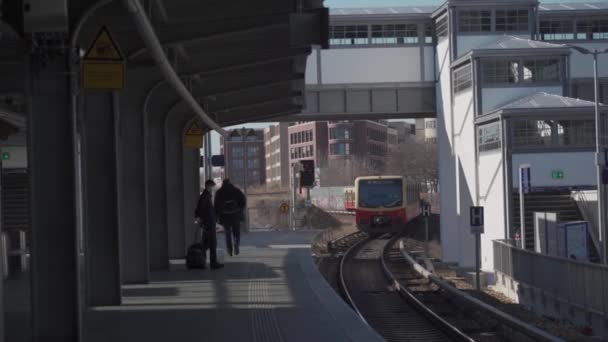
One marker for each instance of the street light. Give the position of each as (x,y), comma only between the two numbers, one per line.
(598,149)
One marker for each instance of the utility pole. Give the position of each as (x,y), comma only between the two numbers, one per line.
(246,177)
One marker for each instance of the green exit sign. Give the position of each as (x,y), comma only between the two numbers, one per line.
(6,155)
(557,174)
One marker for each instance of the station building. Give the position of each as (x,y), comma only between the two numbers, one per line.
(505,86)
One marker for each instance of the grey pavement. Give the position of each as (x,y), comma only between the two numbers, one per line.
(271,292)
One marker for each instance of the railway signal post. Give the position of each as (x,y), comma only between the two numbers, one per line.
(477,229)
(426,213)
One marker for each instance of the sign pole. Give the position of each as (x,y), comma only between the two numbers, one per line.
(477,222)
(426,213)
(524,187)
(477,259)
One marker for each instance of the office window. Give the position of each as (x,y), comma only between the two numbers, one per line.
(395,34)
(515,20)
(462,78)
(253,151)
(349,35)
(475,21)
(238,163)
(557,29)
(341,149)
(497,71)
(489,137)
(339,133)
(431,124)
(428,33)
(442,27)
(376,135)
(237,151)
(541,70)
(596,29)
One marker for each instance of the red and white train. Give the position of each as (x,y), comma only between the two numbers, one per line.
(383,204)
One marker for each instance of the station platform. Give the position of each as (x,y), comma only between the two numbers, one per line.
(271,292)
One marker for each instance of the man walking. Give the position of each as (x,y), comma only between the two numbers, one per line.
(230,205)
(206,215)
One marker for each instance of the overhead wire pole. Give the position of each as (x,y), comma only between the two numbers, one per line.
(599,151)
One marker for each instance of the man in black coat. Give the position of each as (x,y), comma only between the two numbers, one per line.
(230,203)
(207,218)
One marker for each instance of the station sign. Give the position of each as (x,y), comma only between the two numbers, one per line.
(103,65)
(477,220)
(525,178)
(194,136)
(426,210)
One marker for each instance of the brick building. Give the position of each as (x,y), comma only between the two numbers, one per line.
(243,149)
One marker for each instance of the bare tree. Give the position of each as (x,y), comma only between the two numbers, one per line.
(416,159)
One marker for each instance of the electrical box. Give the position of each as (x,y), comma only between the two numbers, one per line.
(45,16)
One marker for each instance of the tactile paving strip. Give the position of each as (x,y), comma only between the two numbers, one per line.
(265,326)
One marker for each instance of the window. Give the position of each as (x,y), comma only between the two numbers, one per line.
(376,135)
(431,124)
(349,35)
(339,133)
(475,21)
(377,150)
(578,133)
(238,163)
(462,78)
(395,34)
(253,151)
(496,71)
(442,27)
(428,34)
(237,151)
(541,70)
(512,20)
(531,133)
(592,29)
(489,137)
(341,149)
(556,29)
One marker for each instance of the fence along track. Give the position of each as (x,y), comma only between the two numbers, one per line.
(514,326)
(378,302)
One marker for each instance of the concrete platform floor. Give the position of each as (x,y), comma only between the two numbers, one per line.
(271,292)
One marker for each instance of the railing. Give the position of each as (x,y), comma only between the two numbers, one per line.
(580,284)
(589,212)
(7,251)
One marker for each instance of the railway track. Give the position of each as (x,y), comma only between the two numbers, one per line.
(378,301)
(394,298)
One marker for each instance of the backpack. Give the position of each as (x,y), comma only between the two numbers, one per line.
(195,257)
(230,207)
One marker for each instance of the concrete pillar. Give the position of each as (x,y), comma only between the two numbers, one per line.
(156,194)
(100,199)
(174,180)
(191,189)
(134,240)
(53,229)
(2,309)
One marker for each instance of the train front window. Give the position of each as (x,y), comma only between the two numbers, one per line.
(380,193)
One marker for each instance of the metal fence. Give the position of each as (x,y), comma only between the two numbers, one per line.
(578,283)
(14,252)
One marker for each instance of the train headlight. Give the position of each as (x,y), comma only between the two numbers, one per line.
(381,220)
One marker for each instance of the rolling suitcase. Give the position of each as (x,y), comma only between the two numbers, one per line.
(195,258)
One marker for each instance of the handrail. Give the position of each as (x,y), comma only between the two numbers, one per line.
(589,216)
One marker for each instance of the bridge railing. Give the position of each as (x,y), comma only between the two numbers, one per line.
(577,283)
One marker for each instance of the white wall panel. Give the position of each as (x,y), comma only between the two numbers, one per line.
(358,101)
(370,65)
(578,168)
(491,192)
(311,68)
(429,63)
(493,98)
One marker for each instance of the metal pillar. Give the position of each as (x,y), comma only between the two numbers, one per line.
(599,162)
(52,198)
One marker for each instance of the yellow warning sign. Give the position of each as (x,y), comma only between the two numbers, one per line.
(104,48)
(103,65)
(284,208)
(194,136)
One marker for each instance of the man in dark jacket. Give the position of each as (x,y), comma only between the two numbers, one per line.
(230,205)
(206,216)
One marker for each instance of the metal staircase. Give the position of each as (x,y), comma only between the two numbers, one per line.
(560,202)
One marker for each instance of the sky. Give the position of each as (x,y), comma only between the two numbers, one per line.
(372,3)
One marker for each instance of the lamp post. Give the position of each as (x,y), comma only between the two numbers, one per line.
(598,151)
